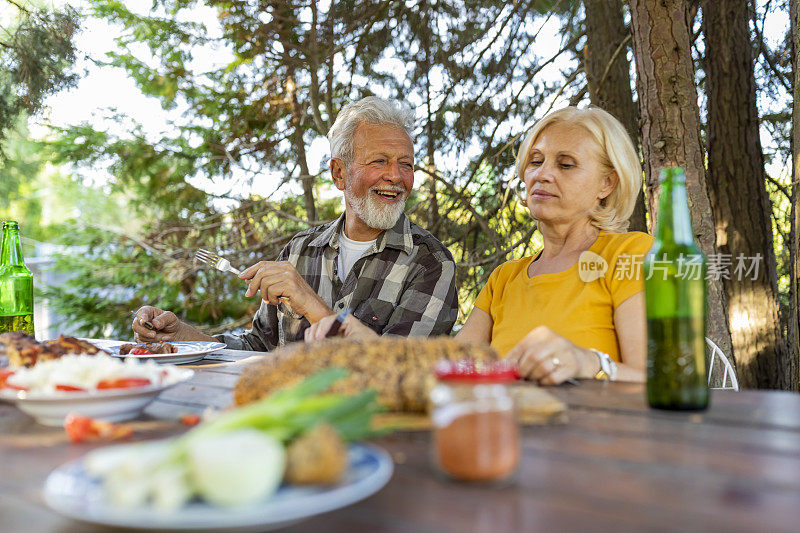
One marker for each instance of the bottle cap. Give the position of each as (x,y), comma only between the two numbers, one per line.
(468,371)
(10,224)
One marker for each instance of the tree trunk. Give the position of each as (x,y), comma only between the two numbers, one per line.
(300,149)
(671,128)
(288,35)
(609,77)
(794,250)
(739,197)
(433,200)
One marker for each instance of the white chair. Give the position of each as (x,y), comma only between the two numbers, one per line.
(729,374)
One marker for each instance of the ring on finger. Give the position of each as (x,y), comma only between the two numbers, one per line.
(556,362)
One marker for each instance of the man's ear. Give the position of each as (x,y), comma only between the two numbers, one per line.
(338,173)
(611,181)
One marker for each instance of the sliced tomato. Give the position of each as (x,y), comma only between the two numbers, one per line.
(123,383)
(141,351)
(78,428)
(190,420)
(70,388)
(4,375)
(83,428)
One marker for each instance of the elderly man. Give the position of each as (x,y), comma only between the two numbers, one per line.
(395,277)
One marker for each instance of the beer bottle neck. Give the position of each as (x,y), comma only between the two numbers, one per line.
(674,223)
(11,250)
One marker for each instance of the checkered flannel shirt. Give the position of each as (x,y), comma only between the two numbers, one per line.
(403,285)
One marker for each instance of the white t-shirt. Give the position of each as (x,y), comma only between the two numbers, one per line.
(349,252)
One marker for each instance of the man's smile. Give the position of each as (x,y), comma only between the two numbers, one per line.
(389,194)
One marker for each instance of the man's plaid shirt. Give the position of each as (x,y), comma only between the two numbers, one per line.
(403,285)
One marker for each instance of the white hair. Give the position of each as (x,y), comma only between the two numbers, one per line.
(373,110)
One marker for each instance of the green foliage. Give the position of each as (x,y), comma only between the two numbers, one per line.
(32,192)
(36,53)
(24,162)
(774,79)
(474,71)
(292,66)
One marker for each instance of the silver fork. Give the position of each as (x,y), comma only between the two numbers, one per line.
(220,263)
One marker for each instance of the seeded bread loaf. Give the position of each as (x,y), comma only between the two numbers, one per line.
(399,369)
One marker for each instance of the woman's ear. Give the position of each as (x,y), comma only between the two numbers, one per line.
(338,173)
(610,183)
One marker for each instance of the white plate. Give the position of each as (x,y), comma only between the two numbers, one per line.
(113,405)
(70,491)
(188,351)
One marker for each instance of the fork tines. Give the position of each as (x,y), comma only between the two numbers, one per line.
(204,256)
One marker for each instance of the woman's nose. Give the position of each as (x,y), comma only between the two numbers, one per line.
(544,172)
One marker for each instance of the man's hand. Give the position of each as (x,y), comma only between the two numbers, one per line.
(168,327)
(351,328)
(279,279)
(549,359)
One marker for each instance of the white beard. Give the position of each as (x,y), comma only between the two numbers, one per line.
(374,214)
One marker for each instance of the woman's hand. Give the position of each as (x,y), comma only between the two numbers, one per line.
(549,359)
(351,328)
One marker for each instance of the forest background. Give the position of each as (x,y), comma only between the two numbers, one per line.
(252,91)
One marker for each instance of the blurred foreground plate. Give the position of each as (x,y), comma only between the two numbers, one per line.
(70,491)
(188,351)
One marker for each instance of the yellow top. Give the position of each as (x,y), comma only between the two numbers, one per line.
(577,304)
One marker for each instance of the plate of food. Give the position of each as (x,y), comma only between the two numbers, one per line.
(73,491)
(290,456)
(175,353)
(93,385)
(23,350)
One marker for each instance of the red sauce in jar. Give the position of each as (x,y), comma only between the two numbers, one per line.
(476,434)
(479,446)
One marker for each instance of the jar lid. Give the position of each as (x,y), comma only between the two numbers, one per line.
(468,371)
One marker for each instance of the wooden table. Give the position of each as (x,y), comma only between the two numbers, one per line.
(615,465)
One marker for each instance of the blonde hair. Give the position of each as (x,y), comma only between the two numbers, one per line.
(616,152)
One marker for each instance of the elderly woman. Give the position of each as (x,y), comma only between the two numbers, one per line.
(576,308)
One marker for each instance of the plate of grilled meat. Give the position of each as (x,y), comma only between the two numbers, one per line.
(23,350)
(175,353)
(52,379)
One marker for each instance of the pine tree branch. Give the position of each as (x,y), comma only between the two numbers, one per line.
(507,110)
(21,8)
(500,254)
(577,97)
(465,202)
(781,188)
(765,53)
(614,56)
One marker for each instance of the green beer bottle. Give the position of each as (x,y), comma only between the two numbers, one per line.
(16,284)
(675,299)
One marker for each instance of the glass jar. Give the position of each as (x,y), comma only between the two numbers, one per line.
(475,429)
